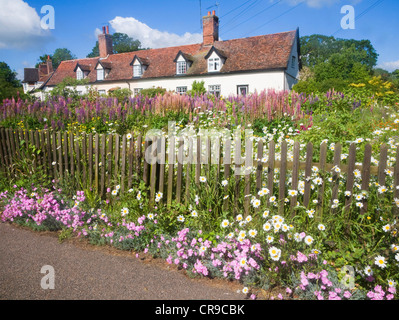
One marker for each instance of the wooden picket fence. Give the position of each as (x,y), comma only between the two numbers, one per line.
(101,161)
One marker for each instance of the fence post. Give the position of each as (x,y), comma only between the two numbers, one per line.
(179,170)
(162,159)
(171,162)
(294,180)
(308,174)
(320,196)
(350,175)
(227,163)
(270,170)
(366,174)
(283,175)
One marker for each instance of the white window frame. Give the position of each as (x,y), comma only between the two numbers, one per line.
(181,90)
(137,70)
(239,87)
(214,89)
(181,67)
(79,74)
(100,74)
(214,64)
(102,92)
(136,91)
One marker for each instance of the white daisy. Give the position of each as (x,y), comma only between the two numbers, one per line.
(368,271)
(308,240)
(225,223)
(380,261)
(124,211)
(252,233)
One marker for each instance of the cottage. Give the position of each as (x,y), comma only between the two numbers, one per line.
(36,78)
(237,66)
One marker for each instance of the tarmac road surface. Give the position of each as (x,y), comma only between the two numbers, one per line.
(84,272)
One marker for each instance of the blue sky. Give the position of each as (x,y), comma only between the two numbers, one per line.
(172,22)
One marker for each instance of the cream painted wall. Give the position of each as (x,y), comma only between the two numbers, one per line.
(228,83)
(258,81)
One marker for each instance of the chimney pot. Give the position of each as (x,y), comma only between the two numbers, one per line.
(213,12)
(209,13)
(103,30)
(107,28)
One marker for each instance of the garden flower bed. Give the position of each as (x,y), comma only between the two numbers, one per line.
(318,251)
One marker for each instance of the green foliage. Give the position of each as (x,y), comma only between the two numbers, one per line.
(316,49)
(197,88)
(10,86)
(67,88)
(152,92)
(59,55)
(120,94)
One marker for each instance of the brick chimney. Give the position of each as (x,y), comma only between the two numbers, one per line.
(210,28)
(49,65)
(105,43)
(45,68)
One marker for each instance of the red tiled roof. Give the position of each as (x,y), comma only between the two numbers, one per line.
(246,54)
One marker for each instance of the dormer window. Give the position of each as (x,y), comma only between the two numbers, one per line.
(103,68)
(82,71)
(79,74)
(213,64)
(181,67)
(216,60)
(137,70)
(183,62)
(139,66)
(100,74)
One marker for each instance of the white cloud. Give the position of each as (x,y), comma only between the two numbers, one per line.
(152,38)
(20,26)
(389,66)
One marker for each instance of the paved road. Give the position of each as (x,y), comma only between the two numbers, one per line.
(87,273)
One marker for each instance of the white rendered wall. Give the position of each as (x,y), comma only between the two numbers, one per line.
(228,83)
(256,81)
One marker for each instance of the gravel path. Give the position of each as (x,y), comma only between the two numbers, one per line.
(84,272)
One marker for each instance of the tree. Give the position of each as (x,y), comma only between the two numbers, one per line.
(197,88)
(10,86)
(60,54)
(318,48)
(121,42)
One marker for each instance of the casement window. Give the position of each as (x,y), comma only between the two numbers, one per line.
(181,90)
(137,70)
(293,61)
(214,89)
(79,74)
(136,91)
(213,64)
(100,92)
(100,74)
(181,67)
(242,90)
